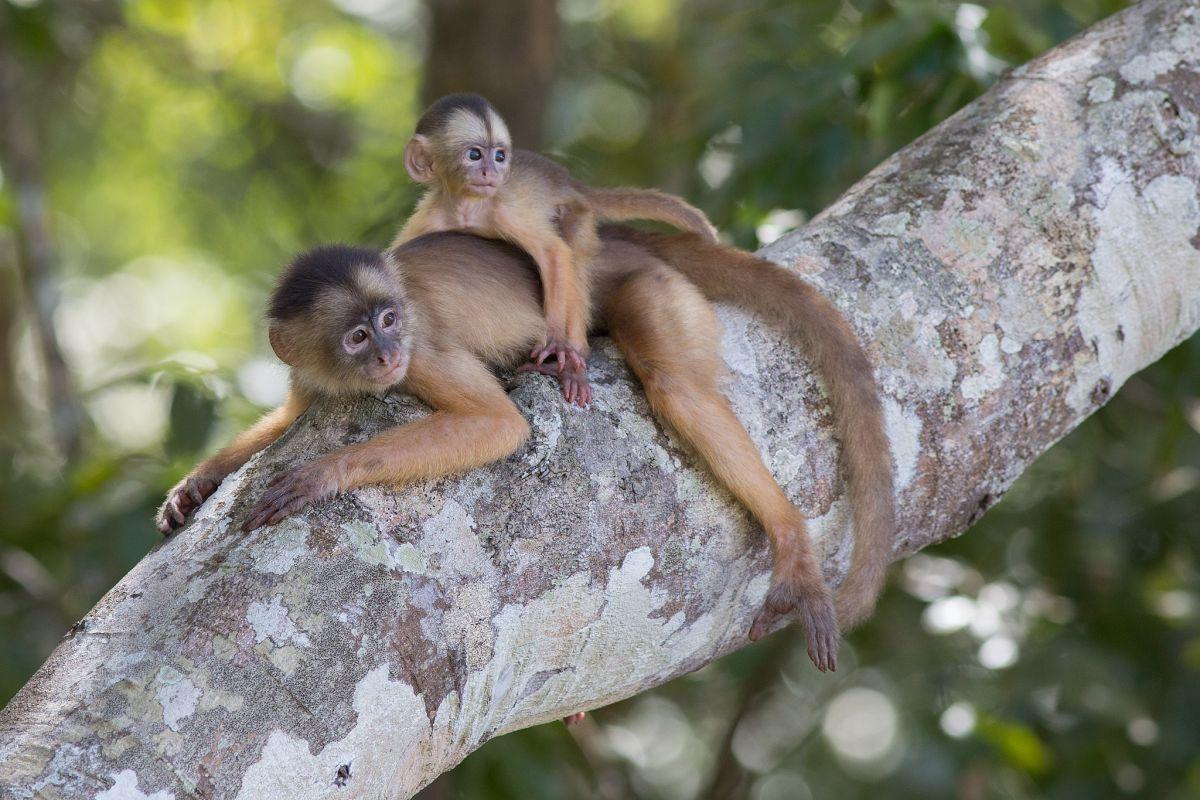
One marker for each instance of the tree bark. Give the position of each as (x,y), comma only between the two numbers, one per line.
(1009,271)
(503,51)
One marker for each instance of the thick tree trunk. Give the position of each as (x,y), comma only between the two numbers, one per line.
(1009,270)
(504,51)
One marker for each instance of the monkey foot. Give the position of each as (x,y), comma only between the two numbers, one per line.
(815,614)
(574,382)
(574,719)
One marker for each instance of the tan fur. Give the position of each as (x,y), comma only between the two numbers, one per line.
(727,274)
(476,304)
(525,211)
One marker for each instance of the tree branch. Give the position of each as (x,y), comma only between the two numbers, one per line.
(1010,270)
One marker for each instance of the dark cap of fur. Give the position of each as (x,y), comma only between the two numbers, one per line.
(435,117)
(310,272)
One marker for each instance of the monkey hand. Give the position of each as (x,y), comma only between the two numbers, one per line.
(816,615)
(290,491)
(565,355)
(188,495)
(574,382)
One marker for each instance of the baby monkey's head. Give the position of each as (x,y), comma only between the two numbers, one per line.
(461,141)
(339,318)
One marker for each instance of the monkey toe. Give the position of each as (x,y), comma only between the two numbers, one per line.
(820,630)
(777,604)
(574,719)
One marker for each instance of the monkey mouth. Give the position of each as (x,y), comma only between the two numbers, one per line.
(483,189)
(392,374)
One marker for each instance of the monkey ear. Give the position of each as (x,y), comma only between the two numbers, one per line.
(418,160)
(280,345)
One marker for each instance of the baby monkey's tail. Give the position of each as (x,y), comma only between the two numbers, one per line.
(616,205)
(735,276)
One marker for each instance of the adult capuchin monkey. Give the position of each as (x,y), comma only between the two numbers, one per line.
(461,150)
(429,317)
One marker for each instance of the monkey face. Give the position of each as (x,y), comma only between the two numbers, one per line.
(339,318)
(378,346)
(464,144)
(484,167)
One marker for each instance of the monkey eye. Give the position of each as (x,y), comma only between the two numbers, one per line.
(359,336)
(389,319)
(474,154)
(500,156)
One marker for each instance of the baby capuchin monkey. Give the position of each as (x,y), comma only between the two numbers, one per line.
(461,150)
(431,317)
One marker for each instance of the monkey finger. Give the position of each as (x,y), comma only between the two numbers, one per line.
(576,359)
(279,478)
(277,496)
(176,512)
(293,505)
(581,392)
(542,369)
(820,631)
(261,512)
(194,493)
(574,719)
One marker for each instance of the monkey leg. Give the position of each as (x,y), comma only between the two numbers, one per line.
(669,334)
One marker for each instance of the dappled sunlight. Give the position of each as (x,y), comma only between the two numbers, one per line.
(863,728)
(779,222)
(958,720)
(657,739)
(132,416)
(263,381)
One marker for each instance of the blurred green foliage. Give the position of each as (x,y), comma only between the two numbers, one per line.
(190,147)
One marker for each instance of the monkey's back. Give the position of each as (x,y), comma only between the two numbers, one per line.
(482,293)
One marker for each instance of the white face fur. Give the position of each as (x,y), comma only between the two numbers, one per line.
(479,149)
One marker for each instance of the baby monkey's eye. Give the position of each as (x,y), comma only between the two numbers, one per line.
(500,155)
(474,154)
(389,319)
(359,336)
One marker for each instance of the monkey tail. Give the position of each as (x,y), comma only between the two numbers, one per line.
(731,275)
(615,205)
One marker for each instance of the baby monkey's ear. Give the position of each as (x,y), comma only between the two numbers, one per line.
(281,345)
(418,159)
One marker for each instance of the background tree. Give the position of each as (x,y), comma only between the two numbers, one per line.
(504,51)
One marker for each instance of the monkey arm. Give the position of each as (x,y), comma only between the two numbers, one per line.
(561,303)
(474,423)
(199,484)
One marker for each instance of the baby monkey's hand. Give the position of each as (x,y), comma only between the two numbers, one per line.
(566,356)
